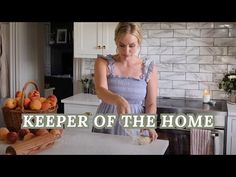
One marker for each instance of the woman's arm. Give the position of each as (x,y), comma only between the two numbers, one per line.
(100,78)
(151,97)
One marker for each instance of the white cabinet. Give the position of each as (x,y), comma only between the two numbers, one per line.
(82,104)
(231,130)
(91,39)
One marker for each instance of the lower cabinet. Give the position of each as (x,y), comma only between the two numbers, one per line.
(231,130)
(89,110)
(179,141)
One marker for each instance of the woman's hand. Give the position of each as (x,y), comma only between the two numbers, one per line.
(122,106)
(152,134)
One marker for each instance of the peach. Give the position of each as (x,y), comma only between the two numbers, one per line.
(10,103)
(23,132)
(28,136)
(18,99)
(35,105)
(3,133)
(41,132)
(18,94)
(56,133)
(52,99)
(42,99)
(12,137)
(33,95)
(45,105)
(26,103)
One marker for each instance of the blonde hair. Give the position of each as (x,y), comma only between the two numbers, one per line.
(128,28)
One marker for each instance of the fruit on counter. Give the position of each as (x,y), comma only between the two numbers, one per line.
(22,133)
(33,95)
(56,133)
(10,103)
(12,137)
(3,133)
(35,105)
(41,132)
(28,136)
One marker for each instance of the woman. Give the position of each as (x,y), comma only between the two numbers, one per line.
(124,82)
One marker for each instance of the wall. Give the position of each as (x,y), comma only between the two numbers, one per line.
(189,56)
(27,54)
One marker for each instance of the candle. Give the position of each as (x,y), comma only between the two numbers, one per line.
(206,96)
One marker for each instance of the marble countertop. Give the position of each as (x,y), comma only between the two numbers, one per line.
(192,104)
(76,141)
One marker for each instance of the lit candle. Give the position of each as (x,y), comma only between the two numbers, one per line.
(206,96)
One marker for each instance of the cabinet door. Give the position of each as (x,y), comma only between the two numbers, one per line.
(91,39)
(232,136)
(179,141)
(88,110)
(108,33)
(87,38)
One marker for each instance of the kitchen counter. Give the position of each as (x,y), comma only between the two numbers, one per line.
(76,141)
(162,102)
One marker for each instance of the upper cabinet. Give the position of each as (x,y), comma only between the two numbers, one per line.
(91,39)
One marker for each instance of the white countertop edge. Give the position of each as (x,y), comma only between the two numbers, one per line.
(80,102)
(83,99)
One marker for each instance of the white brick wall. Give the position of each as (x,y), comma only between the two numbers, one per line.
(190,56)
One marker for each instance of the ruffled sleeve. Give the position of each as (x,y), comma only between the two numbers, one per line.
(148,69)
(110,61)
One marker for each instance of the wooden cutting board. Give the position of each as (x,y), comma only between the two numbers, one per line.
(32,146)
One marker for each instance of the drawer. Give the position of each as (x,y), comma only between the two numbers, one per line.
(79,109)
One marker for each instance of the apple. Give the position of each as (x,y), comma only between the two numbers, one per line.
(10,103)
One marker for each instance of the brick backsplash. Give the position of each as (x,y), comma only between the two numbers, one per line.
(189,56)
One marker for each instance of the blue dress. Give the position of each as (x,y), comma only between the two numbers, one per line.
(132,89)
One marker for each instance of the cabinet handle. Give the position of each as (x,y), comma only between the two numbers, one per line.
(104,47)
(88,113)
(99,47)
